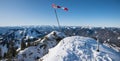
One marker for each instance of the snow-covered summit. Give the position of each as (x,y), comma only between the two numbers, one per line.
(77,48)
(33,53)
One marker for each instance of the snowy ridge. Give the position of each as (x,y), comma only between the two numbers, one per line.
(77,48)
(35,52)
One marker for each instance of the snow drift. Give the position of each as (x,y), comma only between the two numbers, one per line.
(77,48)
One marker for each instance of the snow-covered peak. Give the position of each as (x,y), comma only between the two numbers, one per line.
(78,48)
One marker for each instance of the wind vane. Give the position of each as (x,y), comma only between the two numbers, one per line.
(55,7)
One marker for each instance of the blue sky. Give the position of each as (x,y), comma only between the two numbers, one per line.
(81,12)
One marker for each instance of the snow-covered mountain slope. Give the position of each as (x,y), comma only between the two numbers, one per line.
(32,33)
(33,53)
(77,48)
(14,39)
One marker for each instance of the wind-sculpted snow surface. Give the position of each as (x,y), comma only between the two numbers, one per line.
(77,48)
(35,52)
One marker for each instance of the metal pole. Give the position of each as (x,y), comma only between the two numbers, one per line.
(57,19)
(98,45)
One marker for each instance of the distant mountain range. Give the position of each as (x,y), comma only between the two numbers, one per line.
(19,38)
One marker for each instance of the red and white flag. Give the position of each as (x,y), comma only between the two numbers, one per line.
(56,6)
